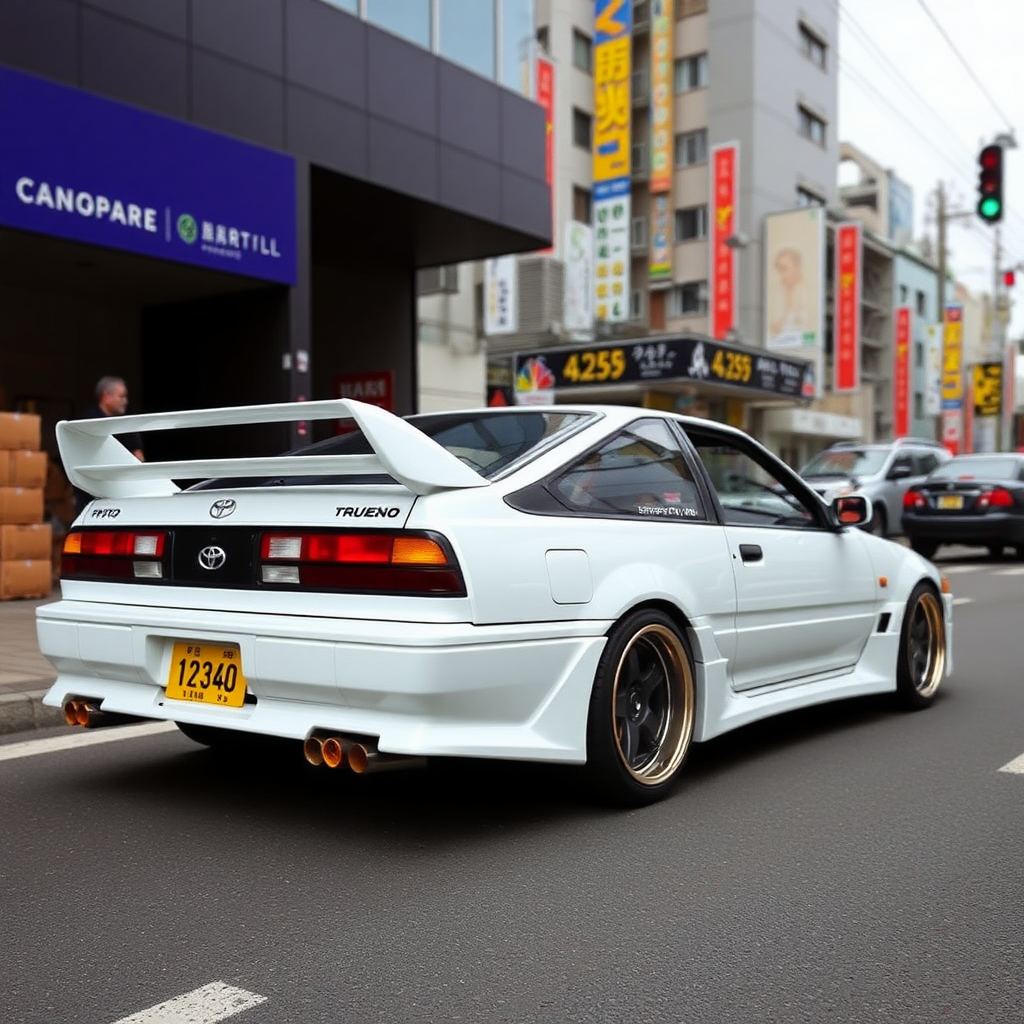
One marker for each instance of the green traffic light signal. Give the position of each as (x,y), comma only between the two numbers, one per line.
(990,208)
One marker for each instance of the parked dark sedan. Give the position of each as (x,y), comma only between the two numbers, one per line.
(976,500)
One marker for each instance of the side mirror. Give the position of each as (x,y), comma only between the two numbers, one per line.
(852,509)
(901,470)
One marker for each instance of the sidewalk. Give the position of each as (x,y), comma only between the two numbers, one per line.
(25,675)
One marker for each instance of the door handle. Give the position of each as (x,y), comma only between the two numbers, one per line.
(751,552)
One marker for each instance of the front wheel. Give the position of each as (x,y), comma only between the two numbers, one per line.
(922,653)
(642,710)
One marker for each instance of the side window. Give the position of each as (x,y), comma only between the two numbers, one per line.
(641,472)
(748,492)
(926,463)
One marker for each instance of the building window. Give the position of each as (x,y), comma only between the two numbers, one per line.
(904,293)
(638,233)
(581,206)
(691,73)
(691,223)
(636,304)
(812,46)
(542,38)
(409,20)
(811,126)
(581,51)
(920,303)
(805,197)
(692,148)
(689,299)
(688,8)
(516,32)
(465,35)
(581,122)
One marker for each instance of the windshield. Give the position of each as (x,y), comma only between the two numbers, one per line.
(978,469)
(846,462)
(487,441)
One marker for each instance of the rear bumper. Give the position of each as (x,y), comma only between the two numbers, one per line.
(514,691)
(969,530)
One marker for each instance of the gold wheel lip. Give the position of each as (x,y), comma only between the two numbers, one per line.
(933,675)
(672,653)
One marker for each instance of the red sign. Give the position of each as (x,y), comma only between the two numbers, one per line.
(846,323)
(546,101)
(374,388)
(724,195)
(901,373)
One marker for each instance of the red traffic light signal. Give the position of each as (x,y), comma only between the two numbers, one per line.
(1009,278)
(990,184)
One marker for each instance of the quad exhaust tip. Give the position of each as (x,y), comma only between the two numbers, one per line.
(85,712)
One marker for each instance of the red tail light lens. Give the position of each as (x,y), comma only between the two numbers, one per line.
(114,554)
(998,497)
(914,499)
(378,562)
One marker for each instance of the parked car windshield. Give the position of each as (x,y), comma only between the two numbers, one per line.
(979,468)
(487,441)
(846,462)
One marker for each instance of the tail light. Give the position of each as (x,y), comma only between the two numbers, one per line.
(998,497)
(914,499)
(114,554)
(378,562)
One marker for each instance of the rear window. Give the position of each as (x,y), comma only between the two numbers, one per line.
(978,468)
(489,441)
(846,462)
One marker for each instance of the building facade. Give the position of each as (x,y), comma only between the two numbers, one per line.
(228,202)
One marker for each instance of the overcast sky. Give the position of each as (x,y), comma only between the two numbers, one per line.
(923,85)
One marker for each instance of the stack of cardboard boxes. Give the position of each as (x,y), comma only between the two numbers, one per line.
(26,542)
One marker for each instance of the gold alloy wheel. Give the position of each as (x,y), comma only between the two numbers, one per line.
(926,644)
(653,704)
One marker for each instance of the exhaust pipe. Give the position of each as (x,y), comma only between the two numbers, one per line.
(328,750)
(364,759)
(86,713)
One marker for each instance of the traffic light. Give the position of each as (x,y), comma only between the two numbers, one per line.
(1009,278)
(990,184)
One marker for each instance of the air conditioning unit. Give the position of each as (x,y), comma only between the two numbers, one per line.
(437,280)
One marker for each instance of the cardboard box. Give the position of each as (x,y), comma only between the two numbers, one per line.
(34,540)
(21,504)
(27,577)
(20,430)
(23,468)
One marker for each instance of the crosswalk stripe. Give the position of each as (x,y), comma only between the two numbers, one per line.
(205,1005)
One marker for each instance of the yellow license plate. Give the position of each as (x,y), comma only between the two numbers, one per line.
(206,673)
(950,501)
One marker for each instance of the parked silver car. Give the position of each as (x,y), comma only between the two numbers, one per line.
(881,471)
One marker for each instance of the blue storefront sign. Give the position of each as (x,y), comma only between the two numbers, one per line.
(81,167)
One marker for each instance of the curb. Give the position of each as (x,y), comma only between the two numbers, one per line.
(23,712)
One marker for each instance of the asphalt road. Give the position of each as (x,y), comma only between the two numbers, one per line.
(847,864)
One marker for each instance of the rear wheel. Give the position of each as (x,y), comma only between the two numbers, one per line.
(925,548)
(922,653)
(642,710)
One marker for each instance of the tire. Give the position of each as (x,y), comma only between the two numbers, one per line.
(995,550)
(921,661)
(642,711)
(925,548)
(878,524)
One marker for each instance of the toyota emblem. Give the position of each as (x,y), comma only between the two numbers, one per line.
(223,507)
(212,557)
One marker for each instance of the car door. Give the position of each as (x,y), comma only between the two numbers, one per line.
(806,593)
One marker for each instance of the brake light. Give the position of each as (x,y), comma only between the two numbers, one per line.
(914,499)
(114,554)
(998,497)
(377,562)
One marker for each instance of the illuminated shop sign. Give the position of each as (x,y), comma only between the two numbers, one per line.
(91,170)
(660,360)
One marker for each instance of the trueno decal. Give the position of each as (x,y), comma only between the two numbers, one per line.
(64,199)
(367,512)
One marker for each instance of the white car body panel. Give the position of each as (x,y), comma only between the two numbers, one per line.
(508,669)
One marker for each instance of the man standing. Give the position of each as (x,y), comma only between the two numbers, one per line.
(111,400)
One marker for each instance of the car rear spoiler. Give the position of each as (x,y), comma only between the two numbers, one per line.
(97,462)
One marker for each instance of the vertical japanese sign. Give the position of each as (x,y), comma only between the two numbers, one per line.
(501,295)
(724,201)
(546,101)
(846,283)
(661,97)
(952,378)
(611,158)
(794,288)
(578,254)
(901,345)
(660,268)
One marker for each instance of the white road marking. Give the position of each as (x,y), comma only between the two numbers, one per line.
(1019,571)
(82,738)
(962,600)
(953,570)
(1016,766)
(204,1005)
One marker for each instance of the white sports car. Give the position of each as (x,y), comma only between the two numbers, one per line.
(593,585)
